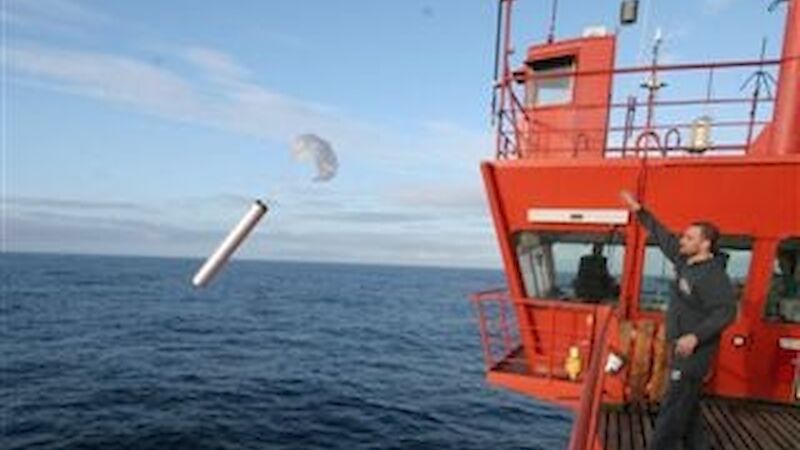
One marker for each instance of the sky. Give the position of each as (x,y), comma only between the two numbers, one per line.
(147,127)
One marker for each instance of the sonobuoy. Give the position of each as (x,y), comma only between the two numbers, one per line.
(229,245)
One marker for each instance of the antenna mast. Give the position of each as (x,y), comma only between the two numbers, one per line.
(551,35)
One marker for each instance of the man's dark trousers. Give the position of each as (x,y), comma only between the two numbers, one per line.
(680,420)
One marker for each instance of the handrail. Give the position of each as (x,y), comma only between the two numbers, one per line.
(517,126)
(501,336)
(487,333)
(644,138)
(585,427)
(664,68)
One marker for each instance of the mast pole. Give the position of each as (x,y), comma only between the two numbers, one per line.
(786,118)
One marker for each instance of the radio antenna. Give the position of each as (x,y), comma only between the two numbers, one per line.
(760,79)
(495,81)
(551,35)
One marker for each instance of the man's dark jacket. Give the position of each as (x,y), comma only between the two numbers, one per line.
(702,300)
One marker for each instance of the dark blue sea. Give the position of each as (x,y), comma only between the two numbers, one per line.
(121,353)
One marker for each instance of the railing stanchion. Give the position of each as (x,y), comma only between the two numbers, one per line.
(485,339)
(504,328)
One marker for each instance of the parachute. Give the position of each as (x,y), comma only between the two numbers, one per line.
(312,148)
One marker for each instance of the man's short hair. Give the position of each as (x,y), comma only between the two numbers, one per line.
(710,232)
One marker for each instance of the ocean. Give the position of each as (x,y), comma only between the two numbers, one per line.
(122,353)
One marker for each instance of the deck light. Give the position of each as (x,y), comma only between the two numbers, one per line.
(701,135)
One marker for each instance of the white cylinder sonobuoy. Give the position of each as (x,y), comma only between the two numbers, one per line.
(238,234)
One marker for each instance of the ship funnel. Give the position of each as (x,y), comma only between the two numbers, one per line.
(786,118)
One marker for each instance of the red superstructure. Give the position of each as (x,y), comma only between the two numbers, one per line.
(586,287)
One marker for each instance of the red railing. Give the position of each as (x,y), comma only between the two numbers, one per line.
(659,125)
(502,349)
(657,120)
(585,427)
(552,330)
(497,326)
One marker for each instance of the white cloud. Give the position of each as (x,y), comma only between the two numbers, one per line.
(216,64)
(64,16)
(70,204)
(465,197)
(717,6)
(105,77)
(404,223)
(73,231)
(227,97)
(229,102)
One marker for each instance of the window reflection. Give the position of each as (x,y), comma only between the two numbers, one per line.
(783,301)
(569,265)
(659,272)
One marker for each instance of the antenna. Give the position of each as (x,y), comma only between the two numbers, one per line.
(652,82)
(760,79)
(495,82)
(551,35)
(653,85)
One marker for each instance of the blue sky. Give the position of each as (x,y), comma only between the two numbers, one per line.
(146,127)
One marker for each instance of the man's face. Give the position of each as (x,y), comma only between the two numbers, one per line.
(692,241)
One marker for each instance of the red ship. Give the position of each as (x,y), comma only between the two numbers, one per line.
(593,340)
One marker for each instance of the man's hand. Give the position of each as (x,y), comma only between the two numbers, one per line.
(630,201)
(686,344)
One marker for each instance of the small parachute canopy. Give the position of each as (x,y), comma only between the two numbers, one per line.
(312,148)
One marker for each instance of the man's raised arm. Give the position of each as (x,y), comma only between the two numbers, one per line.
(664,238)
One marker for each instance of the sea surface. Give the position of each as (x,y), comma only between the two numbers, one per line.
(122,353)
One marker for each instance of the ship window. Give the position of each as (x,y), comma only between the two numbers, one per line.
(783,301)
(552,81)
(571,265)
(659,271)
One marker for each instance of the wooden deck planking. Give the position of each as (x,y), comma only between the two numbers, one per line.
(731,424)
(637,431)
(774,432)
(625,421)
(738,435)
(753,428)
(613,433)
(719,434)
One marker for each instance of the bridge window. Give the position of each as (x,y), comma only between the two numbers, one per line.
(659,272)
(783,301)
(552,81)
(571,265)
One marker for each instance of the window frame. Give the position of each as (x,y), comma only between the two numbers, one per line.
(621,239)
(748,274)
(532,87)
(765,292)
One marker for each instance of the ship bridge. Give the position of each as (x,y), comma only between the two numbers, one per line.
(581,320)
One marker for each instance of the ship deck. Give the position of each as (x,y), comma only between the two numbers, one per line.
(730,424)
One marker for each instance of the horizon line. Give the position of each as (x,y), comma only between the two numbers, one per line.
(250,259)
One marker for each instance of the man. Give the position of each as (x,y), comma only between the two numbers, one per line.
(593,282)
(702,304)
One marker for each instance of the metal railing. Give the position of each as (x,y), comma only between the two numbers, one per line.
(502,335)
(502,350)
(585,427)
(661,124)
(497,326)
